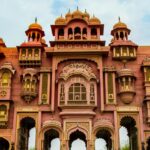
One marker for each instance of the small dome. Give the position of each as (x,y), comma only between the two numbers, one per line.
(77,14)
(119,25)
(35,25)
(60,20)
(94,20)
(86,14)
(68,14)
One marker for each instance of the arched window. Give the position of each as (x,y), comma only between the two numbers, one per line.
(3,110)
(129,125)
(121,35)
(70,34)
(5,79)
(4,144)
(61,33)
(77,92)
(93,31)
(27,87)
(27,127)
(103,140)
(51,140)
(79,138)
(84,33)
(117,36)
(77,33)
(33,36)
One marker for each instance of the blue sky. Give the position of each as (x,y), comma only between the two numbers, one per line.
(16,15)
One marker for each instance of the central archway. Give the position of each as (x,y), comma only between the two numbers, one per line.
(51,140)
(130,125)
(4,144)
(75,138)
(103,140)
(27,124)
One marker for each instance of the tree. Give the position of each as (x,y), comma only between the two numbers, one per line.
(125,147)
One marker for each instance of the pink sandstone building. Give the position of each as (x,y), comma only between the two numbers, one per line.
(75,88)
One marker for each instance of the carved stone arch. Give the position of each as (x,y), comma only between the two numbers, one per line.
(48,125)
(65,59)
(128,118)
(77,69)
(106,128)
(31,71)
(78,128)
(52,124)
(103,124)
(8,67)
(7,141)
(80,80)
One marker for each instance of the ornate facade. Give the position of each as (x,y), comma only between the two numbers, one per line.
(75,88)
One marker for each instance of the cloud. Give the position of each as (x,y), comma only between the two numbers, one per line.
(17,15)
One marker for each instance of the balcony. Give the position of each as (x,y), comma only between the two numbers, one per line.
(126,81)
(28,95)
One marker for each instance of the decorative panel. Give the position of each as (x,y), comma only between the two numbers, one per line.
(110,86)
(44,87)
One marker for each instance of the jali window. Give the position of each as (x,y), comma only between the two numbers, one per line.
(77,91)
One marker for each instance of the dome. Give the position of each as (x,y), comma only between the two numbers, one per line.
(94,20)
(35,25)
(77,13)
(119,25)
(60,20)
(68,14)
(86,14)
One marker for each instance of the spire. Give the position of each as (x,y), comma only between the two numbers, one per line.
(119,19)
(35,19)
(77,8)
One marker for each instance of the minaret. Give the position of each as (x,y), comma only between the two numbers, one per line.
(35,32)
(123,48)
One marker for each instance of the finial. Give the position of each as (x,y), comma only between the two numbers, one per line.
(35,19)
(93,15)
(119,19)
(61,15)
(85,11)
(77,8)
(69,10)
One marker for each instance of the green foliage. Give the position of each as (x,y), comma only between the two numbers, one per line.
(125,147)
(32,148)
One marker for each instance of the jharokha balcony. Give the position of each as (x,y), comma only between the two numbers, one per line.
(28,95)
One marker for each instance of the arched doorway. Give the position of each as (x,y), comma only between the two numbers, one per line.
(27,125)
(51,140)
(103,140)
(77,140)
(148,144)
(130,125)
(4,144)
